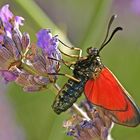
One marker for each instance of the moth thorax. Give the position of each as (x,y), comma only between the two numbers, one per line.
(97,62)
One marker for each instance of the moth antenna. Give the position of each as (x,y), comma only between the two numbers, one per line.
(108,28)
(105,42)
(113,33)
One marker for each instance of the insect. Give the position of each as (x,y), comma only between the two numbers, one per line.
(100,86)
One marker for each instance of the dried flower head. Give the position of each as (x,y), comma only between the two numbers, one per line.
(97,128)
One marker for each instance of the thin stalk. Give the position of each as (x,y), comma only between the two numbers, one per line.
(30,69)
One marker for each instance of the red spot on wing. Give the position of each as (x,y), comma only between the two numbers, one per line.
(108,93)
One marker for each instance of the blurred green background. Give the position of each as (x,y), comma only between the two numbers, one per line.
(83,23)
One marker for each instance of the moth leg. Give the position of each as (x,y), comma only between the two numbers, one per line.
(66,63)
(69,64)
(72,48)
(66,75)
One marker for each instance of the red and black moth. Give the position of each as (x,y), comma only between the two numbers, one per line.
(100,86)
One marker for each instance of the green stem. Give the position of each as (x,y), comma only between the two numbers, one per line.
(32,71)
(29,69)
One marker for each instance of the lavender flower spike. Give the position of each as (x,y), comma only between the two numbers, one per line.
(9,19)
(41,63)
(20,60)
(97,128)
(48,43)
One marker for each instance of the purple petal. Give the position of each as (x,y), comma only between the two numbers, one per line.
(5,13)
(8,76)
(52,48)
(44,36)
(47,42)
(104,133)
(19,21)
(31,88)
(86,124)
(6,16)
(41,80)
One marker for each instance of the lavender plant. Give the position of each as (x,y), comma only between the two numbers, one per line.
(97,127)
(23,62)
(34,66)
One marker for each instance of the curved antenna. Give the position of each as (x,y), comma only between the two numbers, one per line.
(105,42)
(113,33)
(108,28)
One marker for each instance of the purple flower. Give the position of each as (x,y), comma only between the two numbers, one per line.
(32,83)
(9,20)
(97,128)
(8,76)
(48,43)
(20,60)
(44,36)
